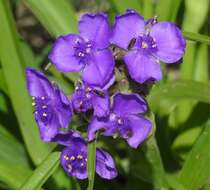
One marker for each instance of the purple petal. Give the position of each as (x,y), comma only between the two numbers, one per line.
(38,85)
(63,108)
(50,130)
(66,138)
(141,129)
(99,70)
(72,164)
(63,56)
(95,28)
(124,104)
(101,105)
(105,166)
(127,27)
(102,124)
(170,41)
(141,67)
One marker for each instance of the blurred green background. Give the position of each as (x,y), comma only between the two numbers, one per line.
(178,157)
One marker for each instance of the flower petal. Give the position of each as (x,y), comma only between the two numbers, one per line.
(66,138)
(95,28)
(37,83)
(171,46)
(63,56)
(141,129)
(63,108)
(105,166)
(141,67)
(103,124)
(127,27)
(74,168)
(124,104)
(49,131)
(101,105)
(98,72)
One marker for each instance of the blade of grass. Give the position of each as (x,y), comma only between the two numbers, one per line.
(57,16)
(11,64)
(148,8)
(178,90)
(13,174)
(198,160)
(197,37)
(91,164)
(42,172)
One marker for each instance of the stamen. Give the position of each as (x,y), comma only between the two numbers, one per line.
(72,158)
(66,157)
(80,157)
(144,45)
(33,103)
(69,167)
(44,114)
(82,164)
(36,112)
(33,98)
(85,159)
(44,107)
(120,121)
(42,97)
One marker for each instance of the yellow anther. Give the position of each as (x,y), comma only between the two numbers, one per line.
(72,158)
(33,98)
(80,157)
(33,103)
(66,157)
(144,45)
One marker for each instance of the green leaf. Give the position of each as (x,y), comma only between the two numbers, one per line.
(126,4)
(14,75)
(196,169)
(57,16)
(197,37)
(148,8)
(147,163)
(11,150)
(178,90)
(161,11)
(42,172)
(13,174)
(91,164)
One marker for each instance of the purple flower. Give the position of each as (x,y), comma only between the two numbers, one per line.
(86,98)
(147,43)
(86,52)
(124,120)
(74,157)
(53,110)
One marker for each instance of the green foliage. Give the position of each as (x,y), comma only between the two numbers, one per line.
(176,156)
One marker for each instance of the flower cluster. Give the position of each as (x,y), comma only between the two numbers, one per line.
(141,45)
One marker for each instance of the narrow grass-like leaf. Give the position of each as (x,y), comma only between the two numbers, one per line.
(14,75)
(11,150)
(57,16)
(197,37)
(126,4)
(148,9)
(147,165)
(197,161)
(161,11)
(178,90)
(42,172)
(91,164)
(13,174)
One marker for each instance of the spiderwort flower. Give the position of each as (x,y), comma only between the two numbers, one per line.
(53,110)
(74,157)
(86,97)
(86,52)
(147,43)
(124,120)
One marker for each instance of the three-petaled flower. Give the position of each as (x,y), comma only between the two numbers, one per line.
(147,43)
(74,157)
(87,52)
(53,110)
(125,119)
